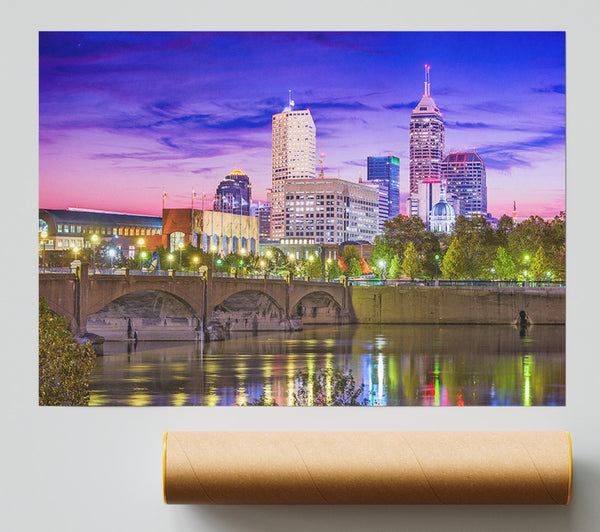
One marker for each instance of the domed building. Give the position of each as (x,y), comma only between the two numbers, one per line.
(442,216)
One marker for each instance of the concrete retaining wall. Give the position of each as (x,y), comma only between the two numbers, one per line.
(420,304)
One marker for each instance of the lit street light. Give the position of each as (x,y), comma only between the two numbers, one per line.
(94,241)
(143,255)
(44,235)
(170,257)
(111,254)
(382,264)
(75,250)
(196,261)
(437,262)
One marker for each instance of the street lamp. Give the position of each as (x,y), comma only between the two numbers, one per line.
(44,235)
(170,257)
(75,250)
(111,254)
(196,261)
(180,246)
(143,255)
(94,241)
(328,268)
(437,262)
(382,264)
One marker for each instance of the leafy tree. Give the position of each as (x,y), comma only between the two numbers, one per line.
(315,269)
(504,266)
(476,240)
(64,365)
(353,268)
(350,252)
(327,387)
(454,263)
(539,266)
(395,270)
(334,270)
(411,265)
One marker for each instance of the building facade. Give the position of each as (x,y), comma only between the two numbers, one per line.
(330,210)
(234,194)
(263,211)
(426,145)
(464,173)
(293,157)
(216,231)
(384,172)
(69,228)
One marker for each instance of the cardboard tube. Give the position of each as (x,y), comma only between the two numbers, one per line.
(367,467)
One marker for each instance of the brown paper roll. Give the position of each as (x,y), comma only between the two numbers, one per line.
(367,468)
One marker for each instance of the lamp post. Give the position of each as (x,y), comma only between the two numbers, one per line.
(111,254)
(44,235)
(180,246)
(143,255)
(328,268)
(75,250)
(526,261)
(140,244)
(94,240)
(196,261)
(437,262)
(382,264)
(213,251)
(170,257)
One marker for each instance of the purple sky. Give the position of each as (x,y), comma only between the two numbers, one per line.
(124,114)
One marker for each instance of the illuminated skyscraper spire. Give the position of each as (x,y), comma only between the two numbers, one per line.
(426,139)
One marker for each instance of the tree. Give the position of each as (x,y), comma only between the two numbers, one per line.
(327,387)
(64,365)
(477,242)
(315,269)
(504,266)
(395,270)
(454,263)
(334,270)
(350,252)
(411,265)
(353,268)
(539,266)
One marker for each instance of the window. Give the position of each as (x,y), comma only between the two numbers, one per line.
(59,229)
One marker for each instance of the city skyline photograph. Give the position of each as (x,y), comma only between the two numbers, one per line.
(123,115)
(411,251)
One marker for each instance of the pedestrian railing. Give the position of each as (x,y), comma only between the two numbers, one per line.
(456,283)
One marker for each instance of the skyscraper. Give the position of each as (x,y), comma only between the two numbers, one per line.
(294,156)
(384,172)
(426,147)
(464,174)
(234,194)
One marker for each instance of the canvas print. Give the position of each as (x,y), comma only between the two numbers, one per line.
(302,218)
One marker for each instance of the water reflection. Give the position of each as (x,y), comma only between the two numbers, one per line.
(397,365)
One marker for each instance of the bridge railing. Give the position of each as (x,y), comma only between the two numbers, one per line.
(56,270)
(458,283)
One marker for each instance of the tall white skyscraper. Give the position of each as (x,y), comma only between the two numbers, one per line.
(294,156)
(426,149)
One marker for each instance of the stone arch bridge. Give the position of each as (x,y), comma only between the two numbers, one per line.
(78,296)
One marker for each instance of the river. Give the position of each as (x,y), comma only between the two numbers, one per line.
(410,365)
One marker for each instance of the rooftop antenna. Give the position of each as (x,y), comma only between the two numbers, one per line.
(322,163)
(427,83)
(290,101)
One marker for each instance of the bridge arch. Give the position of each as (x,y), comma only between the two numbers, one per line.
(148,314)
(318,306)
(249,309)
